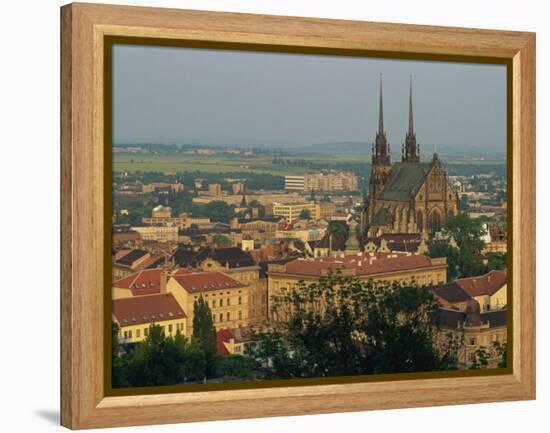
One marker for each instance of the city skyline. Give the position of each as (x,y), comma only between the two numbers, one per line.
(215,97)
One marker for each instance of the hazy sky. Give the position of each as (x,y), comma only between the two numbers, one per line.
(182,95)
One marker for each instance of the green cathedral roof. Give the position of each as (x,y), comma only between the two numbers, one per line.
(404,180)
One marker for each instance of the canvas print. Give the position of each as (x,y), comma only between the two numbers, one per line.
(283,216)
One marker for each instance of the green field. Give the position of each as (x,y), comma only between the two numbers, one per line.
(221,164)
(260,164)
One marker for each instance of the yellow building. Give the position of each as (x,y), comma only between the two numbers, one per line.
(135,315)
(226,297)
(363,266)
(477,330)
(489,290)
(291,211)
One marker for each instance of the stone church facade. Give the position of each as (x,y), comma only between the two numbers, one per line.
(409,196)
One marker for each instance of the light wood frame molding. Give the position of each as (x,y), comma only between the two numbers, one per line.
(83,400)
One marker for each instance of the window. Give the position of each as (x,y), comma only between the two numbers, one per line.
(146,332)
(240,315)
(240,301)
(125,334)
(237,349)
(214,318)
(472,341)
(228,301)
(213,303)
(138,333)
(221,317)
(228,316)
(170,329)
(130,334)
(221,302)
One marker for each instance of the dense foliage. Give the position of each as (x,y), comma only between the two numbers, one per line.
(342,326)
(466,259)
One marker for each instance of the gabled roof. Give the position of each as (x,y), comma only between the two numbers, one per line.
(233,257)
(450,292)
(452,319)
(404,180)
(487,284)
(145,282)
(129,258)
(200,282)
(361,264)
(147,309)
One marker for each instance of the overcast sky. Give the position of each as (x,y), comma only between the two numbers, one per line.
(182,95)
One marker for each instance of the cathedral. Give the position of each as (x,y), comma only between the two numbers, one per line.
(409,196)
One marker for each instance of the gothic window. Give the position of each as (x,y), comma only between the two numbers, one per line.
(419,221)
(435,221)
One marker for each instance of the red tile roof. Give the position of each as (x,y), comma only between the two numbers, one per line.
(146,282)
(181,271)
(222,336)
(487,284)
(198,282)
(147,309)
(363,264)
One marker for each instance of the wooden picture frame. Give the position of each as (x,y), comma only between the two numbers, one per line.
(84,401)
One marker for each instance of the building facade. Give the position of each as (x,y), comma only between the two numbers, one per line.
(291,211)
(408,196)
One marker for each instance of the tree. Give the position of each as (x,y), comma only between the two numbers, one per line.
(161,360)
(118,370)
(480,358)
(343,326)
(216,210)
(466,260)
(496,261)
(312,196)
(256,204)
(221,240)
(339,230)
(204,332)
(305,214)
(501,349)
(465,231)
(238,366)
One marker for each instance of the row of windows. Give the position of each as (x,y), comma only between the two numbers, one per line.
(227,316)
(179,327)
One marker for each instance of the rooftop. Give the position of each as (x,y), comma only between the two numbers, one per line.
(451,292)
(361,264)
(487,284)
(200,282)
(146,309)
(145,282)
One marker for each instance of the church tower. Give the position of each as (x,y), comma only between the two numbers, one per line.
(381,160)
(410,151)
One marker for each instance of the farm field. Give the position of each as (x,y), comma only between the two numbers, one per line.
(260,163)
(220,164)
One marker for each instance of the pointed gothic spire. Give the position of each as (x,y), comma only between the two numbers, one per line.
(410,153)
(381,111)
(411,126)
(381,153)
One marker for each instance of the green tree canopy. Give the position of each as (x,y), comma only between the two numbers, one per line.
(342,326)
(204,332)
(305,214)
(221,240)
(465,230)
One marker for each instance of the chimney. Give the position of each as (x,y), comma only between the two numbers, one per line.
(162,282)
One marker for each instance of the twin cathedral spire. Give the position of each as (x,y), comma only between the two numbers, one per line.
(410,151)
